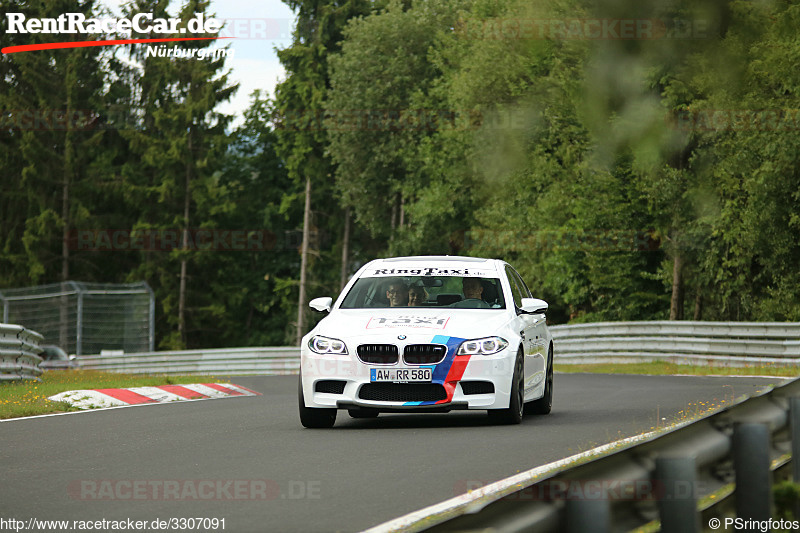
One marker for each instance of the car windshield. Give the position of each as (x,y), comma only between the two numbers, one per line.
(425,291)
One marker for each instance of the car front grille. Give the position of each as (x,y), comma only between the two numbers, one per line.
(477,387)
(329,386)
(402,392)
(378,354)
(424,354)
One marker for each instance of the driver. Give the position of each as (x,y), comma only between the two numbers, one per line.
(473,289)
(473,292)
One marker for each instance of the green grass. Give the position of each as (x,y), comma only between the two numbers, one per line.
(29,398)
(661,368)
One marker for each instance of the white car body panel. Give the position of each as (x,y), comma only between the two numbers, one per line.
(447,326)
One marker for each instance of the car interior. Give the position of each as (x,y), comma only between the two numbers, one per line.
(441,291)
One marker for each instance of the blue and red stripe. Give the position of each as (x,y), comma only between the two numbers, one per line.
(449,372)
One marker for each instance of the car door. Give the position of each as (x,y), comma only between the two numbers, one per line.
(534,332)
(525,323)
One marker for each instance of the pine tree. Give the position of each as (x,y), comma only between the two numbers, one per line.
(180,141)
(302,140)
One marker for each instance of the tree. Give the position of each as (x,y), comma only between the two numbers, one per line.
(249,292)
(180,144)
(299,105)
(49,139)
(383,64)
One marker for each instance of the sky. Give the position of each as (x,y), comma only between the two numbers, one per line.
(258,28)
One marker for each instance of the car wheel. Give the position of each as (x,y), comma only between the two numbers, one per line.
(513,414)
(363,413)
(544,405)
(314,417)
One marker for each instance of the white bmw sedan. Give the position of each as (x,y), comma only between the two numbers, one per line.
(428,334)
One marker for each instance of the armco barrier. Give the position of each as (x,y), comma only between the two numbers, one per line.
(725,343)
(19,353)
(239,361)
(718,467)
(730,343)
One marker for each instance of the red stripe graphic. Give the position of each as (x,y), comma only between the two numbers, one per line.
(454,376)
(82,44)
(126,396)
(224,389)
(183,392)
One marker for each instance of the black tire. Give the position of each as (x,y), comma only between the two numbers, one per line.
(363,413)
(544,405)
(314,417)
(513,414)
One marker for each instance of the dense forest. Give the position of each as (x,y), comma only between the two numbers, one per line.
(634,160)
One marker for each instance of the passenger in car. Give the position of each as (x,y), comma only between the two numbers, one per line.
(397,293)
(417,296)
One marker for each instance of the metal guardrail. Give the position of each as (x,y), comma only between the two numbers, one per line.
(619,342)
(731,343)
(19,353)
(239,361)
(678,478)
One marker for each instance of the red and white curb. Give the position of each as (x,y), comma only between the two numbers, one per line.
(103,398)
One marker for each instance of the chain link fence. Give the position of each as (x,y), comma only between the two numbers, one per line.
(85,318)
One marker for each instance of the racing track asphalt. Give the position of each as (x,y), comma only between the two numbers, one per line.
(359,474)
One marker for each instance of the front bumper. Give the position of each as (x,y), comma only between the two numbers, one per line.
(459,382)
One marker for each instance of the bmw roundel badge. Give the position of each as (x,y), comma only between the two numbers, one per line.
(401,337)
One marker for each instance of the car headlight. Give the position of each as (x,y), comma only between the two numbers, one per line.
(320,344)
(484,346)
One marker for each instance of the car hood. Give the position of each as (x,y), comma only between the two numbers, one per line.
(414,323)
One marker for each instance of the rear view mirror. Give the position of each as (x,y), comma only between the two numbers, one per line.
(321,304)
(534,306)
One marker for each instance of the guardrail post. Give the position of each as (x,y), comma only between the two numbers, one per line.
(5,308)
(589,515)
(79,325)
(151,316)
(794,426)
(752,464)
(794,423)
(675,486)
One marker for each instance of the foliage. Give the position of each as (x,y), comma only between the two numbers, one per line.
(174,179)
(786,495)
(627,179)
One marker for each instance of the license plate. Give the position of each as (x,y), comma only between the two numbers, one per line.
(424,374)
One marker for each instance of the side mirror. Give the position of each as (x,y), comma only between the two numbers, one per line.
(321,304)
(534,306)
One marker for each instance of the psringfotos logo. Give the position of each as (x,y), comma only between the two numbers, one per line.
(142,23)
